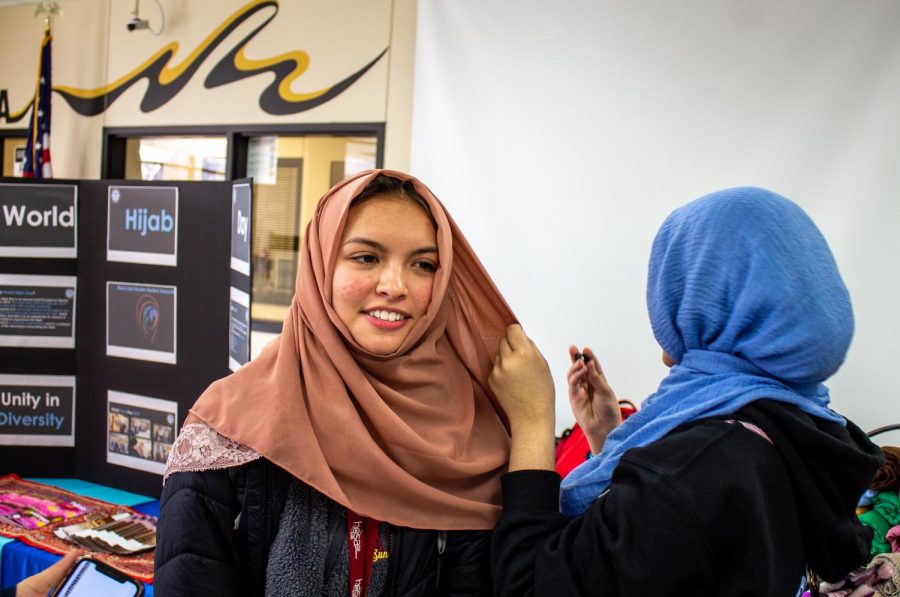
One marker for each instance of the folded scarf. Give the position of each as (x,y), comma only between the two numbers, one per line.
(888,476)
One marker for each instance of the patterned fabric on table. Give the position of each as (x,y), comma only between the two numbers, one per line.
(53,507)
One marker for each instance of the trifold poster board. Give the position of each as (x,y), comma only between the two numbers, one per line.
(119,304)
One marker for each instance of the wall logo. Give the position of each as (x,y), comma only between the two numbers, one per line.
(165,80)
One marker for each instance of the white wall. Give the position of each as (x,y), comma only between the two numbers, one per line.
(560,134)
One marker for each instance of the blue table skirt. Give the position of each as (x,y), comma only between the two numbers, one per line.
(3,541)
(18,560)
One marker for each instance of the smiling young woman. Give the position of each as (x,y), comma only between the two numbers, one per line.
(360,450)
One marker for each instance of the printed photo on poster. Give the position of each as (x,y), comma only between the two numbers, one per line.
(142,225)
(240,228)
(239,329)
(141,321)
(37,311)
(37,410)
(140,431)
(38,220)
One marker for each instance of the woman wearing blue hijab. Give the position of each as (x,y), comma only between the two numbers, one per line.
(735,475)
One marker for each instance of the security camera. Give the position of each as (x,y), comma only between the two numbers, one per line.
(135,23)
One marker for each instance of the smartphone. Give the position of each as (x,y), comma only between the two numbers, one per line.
(90,578)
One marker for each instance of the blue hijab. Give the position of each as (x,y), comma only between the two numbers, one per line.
(744,293)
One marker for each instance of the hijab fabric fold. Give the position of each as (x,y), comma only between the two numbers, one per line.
(413,438)
(744,293)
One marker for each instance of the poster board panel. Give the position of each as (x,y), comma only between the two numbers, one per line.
(37,410)
(38,220)
(200,291)
(140,431)
(141,321)
(37,311)
(241,226)
(142,224)
(239,330)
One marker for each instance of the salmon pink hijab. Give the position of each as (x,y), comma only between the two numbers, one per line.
(414,438)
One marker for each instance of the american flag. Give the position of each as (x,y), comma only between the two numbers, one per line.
(37,149)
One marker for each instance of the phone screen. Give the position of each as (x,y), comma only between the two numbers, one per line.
(86,580)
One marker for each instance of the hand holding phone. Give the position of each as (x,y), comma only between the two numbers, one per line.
(90,578)
(38,585)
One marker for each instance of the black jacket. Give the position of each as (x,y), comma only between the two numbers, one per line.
(202,550)
(710,509)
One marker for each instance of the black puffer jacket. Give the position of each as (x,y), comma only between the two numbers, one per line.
(203,548)
(712,508)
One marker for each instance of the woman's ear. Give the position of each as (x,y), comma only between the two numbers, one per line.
(667,360)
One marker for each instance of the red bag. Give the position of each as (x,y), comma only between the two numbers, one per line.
(572,448)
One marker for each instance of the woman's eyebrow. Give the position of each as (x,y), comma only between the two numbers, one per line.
(365,241)
(380,247)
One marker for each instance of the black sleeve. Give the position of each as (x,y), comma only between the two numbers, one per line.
(196,551)
(465,565)
(8,591)
(640,538)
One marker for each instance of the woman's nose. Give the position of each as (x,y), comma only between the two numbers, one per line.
(392,282)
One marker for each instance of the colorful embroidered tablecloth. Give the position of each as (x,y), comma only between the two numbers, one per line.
(39,509)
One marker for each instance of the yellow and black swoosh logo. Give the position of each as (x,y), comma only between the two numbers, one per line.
(165,81)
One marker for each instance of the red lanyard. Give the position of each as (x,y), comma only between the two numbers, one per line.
(364,546)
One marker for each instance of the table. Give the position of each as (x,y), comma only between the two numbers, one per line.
(18,560)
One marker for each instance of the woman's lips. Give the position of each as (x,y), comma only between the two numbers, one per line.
(383,324)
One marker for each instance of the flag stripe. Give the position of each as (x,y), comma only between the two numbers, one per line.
(37,149)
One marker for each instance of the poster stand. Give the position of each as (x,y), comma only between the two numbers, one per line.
(154,319)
